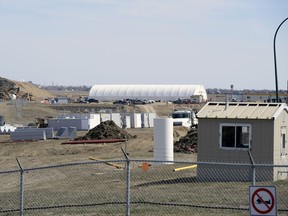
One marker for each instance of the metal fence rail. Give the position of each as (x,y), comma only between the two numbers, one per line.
(138,187)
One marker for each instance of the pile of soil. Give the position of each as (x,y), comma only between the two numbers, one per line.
(179,132)
(25,90)
(33,91)
(106,130)
(7,89)
(188,143)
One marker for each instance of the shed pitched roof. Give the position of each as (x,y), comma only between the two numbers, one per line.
(241,110)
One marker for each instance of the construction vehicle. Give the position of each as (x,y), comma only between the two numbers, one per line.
(42,122)
(185,117)
(28,97)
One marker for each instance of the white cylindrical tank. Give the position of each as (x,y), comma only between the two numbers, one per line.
(163,139)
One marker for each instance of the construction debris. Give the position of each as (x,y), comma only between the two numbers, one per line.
(188,143)
(106,130)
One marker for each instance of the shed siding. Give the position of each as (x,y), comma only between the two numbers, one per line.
(280,155)
(209,149)
(262,141)
(280,122)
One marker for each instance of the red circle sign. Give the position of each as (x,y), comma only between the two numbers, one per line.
(269,205)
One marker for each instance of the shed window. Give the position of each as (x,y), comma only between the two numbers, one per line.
(235,136)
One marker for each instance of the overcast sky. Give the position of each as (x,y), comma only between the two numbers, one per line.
(214,43)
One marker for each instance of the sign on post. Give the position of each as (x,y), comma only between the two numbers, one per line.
(262,200)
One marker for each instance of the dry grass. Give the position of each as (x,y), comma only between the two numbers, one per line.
(53,152)
(73,185)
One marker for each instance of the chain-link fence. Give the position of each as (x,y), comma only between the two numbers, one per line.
(138,187)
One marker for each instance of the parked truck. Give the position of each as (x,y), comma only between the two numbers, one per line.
(185,118)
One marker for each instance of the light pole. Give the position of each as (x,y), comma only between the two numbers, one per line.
(275,63)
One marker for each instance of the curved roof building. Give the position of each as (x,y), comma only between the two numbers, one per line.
(152,92)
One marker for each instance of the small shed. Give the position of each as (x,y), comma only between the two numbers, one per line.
(236,132)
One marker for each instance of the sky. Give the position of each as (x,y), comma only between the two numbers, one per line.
(214,43)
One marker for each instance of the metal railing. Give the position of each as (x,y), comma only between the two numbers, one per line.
(138,187)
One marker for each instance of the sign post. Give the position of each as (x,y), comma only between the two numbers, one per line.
(262,200)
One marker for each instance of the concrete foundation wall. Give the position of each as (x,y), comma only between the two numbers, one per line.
(89,121)
(80,124)
(28,134)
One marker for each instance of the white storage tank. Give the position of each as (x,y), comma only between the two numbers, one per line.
(163,139)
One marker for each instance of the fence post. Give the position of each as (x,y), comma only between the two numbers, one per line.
(21,188)
(127,183)
(253,168)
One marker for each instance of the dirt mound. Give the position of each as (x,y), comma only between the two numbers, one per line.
(188,143)
(10,89)
(106,130)
(31,91)
(179,132)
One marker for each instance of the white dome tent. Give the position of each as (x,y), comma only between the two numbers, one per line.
(153,92)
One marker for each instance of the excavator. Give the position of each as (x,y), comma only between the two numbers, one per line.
(42,122)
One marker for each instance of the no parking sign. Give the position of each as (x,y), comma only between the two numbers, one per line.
(262,200)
